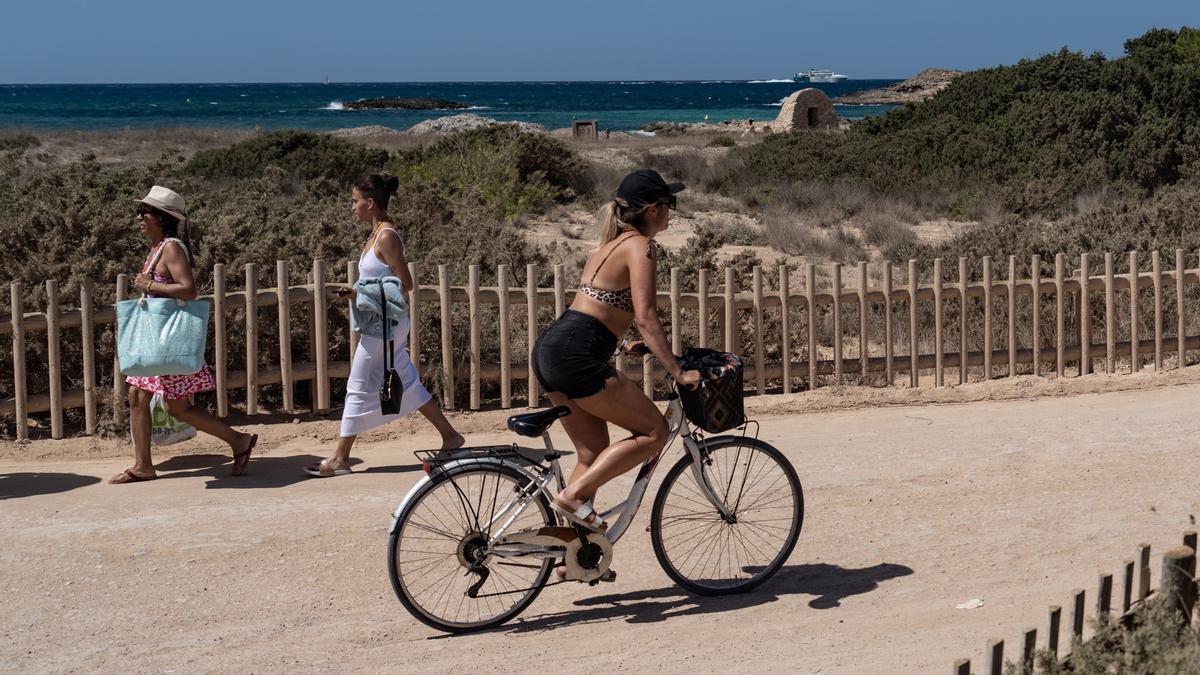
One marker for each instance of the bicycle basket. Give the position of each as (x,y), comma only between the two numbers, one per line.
(716,405)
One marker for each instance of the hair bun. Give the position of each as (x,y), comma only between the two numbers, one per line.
(391,183)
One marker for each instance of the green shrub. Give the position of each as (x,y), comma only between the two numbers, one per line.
(18,142)
(300,154)
(721,142)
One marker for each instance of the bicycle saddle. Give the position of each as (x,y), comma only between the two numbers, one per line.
(534,424)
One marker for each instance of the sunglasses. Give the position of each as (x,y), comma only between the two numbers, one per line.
(670,202)
(143,210)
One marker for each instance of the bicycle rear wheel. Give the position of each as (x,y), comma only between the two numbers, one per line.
(437,551)
(709,554)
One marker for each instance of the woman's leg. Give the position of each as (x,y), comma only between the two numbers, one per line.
(588,433)
(182,409)
(622,403)
(139,427)
(451,439)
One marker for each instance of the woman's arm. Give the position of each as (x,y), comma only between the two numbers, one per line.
(184,285)
(391,250)
(642,269)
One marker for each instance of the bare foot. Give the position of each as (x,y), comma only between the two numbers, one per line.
(453,442)
(565,504)
(328,468)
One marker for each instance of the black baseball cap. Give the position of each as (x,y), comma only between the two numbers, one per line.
(644,187)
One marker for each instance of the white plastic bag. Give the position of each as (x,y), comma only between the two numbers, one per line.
(164,429)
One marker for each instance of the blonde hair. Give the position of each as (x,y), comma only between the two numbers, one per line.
(618,217)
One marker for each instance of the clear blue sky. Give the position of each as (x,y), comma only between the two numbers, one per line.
(470,40)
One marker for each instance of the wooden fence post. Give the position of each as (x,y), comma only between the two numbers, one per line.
(962,667)
(1012,315)
(505,355)
(962,320)
(447,337)
(995,657)
(1060,318)
(20,386)
(560,293)
(531,325)
(251,339)
(54,357)
(810,298)
(1156,277)
(473,311)
(1077,609)
(987,318)
(889,352)
(1143,571)
(785,325)
(1035,277)
(1127,585)
(1135,360)
(88,345)
(732,339)
(837,322)
(914,356)
(1028,651)
(414,319)
(760,366)
(220,341)
(1110,338)
(118,378)
(1053,626)
(286,374)
(1180,317)
(1104,590)
(862,322)
(938,346)
(320,319)
(676,326)
(1085,317)
(1177,585)
(702,301)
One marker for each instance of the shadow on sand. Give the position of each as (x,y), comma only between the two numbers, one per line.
(829,584)
(17,485)
(263,472)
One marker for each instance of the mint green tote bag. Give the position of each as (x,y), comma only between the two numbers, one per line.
(161,336)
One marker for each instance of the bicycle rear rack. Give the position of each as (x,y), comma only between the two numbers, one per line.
(539,457)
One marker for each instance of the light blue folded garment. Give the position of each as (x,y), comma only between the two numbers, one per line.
(366,316)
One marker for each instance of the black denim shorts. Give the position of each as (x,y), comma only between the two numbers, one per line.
(572,355)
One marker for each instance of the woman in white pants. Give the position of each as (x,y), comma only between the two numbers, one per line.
(383,256)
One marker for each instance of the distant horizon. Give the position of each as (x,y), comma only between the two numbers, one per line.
(67,42)
(779,80)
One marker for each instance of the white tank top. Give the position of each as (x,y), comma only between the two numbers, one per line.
(370,266)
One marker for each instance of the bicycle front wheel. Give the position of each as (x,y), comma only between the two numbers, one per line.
(437,554)
(711,554)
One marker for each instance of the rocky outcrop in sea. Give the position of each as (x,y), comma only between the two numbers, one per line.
(404,104)
(924,86)
(465,122)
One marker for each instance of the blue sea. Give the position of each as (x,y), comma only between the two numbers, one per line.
(617,105)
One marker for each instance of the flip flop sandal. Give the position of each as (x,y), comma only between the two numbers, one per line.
(242,459)
(129,477)
(322,470)
(579,516)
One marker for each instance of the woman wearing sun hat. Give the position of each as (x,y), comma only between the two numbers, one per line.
(167,273)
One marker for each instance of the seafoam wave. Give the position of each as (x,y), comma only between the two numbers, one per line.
(769,81)
(480,107)
(334,105)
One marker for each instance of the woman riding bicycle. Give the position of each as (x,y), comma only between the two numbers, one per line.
(571,357)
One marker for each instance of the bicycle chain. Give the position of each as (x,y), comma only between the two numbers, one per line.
(521,590)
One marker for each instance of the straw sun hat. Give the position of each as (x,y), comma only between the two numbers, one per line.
(167,201)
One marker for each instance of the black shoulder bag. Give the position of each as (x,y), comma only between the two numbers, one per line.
(392,390)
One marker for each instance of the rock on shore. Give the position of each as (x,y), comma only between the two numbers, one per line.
(465,122)
(914,90)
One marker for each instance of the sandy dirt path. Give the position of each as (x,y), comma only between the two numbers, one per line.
(911,510)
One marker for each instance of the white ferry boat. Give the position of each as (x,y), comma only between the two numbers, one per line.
(818,75)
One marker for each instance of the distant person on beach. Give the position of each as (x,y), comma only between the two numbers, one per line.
(167,273)
(382,257)
(571,357)
(749,128)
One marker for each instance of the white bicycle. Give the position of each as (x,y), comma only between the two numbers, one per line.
(473,543)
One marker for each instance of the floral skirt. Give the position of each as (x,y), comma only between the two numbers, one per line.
(175,386)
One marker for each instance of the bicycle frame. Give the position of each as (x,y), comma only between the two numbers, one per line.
(542,480)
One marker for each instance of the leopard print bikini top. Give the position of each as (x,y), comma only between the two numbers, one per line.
(622,299)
